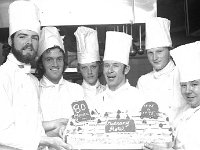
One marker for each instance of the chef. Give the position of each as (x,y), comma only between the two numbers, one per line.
(89,63)
(56,93)
(162,84)
(20,126)
(119,94)
(187,59)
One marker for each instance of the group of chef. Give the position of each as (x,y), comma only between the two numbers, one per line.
(34,114)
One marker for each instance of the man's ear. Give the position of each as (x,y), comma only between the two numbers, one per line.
(126,70)
(9,41)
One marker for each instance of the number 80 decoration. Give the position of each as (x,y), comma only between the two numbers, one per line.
(81,111)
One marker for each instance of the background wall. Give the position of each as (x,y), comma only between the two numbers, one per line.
(1,57)
(139,66)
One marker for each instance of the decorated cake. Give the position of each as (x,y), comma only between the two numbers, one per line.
(117,130)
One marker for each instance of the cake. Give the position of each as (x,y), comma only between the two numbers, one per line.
(117,130)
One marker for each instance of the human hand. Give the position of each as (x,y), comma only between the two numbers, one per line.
(58,122)
(55,127)
(57,131)
(55,143)
(59,144)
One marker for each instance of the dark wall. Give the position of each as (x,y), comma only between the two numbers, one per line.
(139,66)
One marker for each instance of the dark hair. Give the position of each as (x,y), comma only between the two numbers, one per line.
(12,39)
(40,70)
(124,68)
(6,48)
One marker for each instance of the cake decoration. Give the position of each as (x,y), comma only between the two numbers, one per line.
(120,125)
(81,111)
(150,110)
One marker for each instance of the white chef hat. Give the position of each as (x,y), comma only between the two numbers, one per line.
(50,37)
(187,59)
(117,47)
(23,15)
(157,33)
(87,45)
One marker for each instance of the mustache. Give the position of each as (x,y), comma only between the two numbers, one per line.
(28,46)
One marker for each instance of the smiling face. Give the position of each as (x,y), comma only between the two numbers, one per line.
(191,92)
(25,45)
(158,57)
(53,62)
(114,73)
(90,72)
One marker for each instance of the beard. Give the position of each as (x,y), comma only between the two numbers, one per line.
(28,58)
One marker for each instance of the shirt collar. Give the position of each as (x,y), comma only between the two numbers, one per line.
(44,82)
(85,85)
(167,69)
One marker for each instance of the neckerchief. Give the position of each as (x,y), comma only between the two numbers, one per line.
(166,70)
(88,87)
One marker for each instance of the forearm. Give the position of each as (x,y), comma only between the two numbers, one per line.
(8,136)
(48,125)
(55,127)
(53,124)
(3,147)
(18,139)
(10,142)
(51,129)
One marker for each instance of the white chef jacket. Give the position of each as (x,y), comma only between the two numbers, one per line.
(91,92)
(188,130)
(126,99)
(56,99)
(20,117)
(163,87)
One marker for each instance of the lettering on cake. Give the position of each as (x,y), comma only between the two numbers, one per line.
(150,110)
(81,111)
(120,125)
